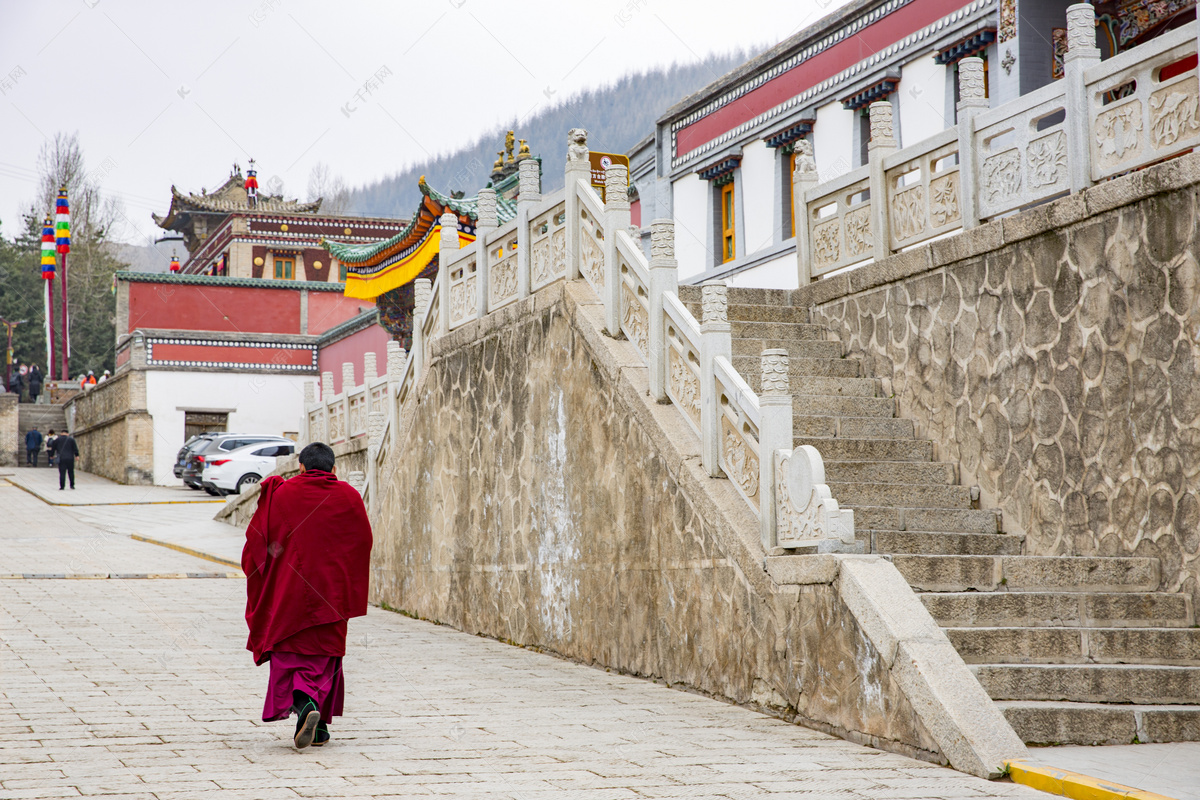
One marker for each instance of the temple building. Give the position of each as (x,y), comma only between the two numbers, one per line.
(385,270)
(237,231)
(720,161)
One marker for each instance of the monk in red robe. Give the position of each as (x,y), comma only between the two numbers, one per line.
(307,560)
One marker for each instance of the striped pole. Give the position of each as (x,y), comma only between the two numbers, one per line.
(63,244)
(49,265)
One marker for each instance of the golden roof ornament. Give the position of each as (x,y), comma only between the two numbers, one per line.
(523,153)
(508,147)
(499,165)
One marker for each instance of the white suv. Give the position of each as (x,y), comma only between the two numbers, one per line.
(226,473)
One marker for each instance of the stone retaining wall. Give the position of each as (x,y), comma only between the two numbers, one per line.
(114,431)
(11,447)
(1054,356)
(536,494)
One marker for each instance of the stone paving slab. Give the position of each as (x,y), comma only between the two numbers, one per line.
(1169,769)
(144,689)
(94,490)
(41,540)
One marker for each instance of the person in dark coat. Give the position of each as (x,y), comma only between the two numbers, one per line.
(66,451)
(35,383)
(51,443)
(33,445)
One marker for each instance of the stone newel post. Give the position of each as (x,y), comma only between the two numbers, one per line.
(775,433)
(326,399)
(370,373)
(803,179)
(347,377)
(326,387)
(529,195)
(485,223)
(664,278)
(882,145)
(1082,54)
(422,290)
(714,341)
(616,222)
(578,169)
(395,361)
(376,421)
(972,102)
(347,388)
(447,249)
(310,397)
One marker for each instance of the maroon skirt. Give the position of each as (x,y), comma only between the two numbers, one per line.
(319,677)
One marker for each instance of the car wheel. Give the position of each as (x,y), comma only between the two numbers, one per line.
(213,492)
(247,480)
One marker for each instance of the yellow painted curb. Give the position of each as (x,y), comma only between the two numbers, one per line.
(189,551)
(1075,785)
(82,505)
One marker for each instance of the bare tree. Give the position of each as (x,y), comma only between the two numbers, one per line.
(330,188)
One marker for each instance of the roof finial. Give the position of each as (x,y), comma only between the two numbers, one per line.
(508,147)
(251,185)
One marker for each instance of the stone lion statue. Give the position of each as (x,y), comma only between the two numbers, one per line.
(577,144)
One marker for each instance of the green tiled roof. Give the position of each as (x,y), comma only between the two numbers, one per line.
(209,280)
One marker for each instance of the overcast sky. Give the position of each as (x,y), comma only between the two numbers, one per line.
(164,93)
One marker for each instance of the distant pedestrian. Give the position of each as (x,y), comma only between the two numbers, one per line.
(105,376)
(51,440)
(67,451)
(307,563)
(22,382)
(35,383)
(14,381)
(33,446)
(91,378)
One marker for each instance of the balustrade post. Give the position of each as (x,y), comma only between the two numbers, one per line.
(326,399)
(370,373)
(664,279)
(1082,54)
(882,144)
(310,397)
(422,290)
(972,101)
(714,341)
(579,168)
(803,178)
(347,387)
(376,421)
(395,362)
(774,433)
(529,195)
(486,221)
(447,249)
(616,220)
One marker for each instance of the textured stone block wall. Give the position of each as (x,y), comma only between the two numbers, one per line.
(114,431)
(541,498)
(10,444)
(1059,369)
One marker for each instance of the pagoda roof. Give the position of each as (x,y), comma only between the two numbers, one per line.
(229,198)
(433,205)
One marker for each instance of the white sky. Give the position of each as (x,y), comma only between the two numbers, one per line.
(164,93)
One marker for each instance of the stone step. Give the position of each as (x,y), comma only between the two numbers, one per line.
(939,543)
(1027,573)
(1179,646)
(741,296)
(909,495)
(1060,609)
(807,426)
(806,348)
(848,449)
(791,331)
(821,385)
(756,312)
(1091,683)
(948,520)
(800,368)
(834,405)
(1048,722)
(903,472)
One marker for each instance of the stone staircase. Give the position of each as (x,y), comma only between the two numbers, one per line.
(44,417)
(1077,650)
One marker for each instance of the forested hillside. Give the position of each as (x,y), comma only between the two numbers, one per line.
(617,117)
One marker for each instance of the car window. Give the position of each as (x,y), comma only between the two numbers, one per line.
(266,451)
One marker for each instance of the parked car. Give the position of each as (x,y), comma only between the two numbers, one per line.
(226,473)
(221,443)
(195,442)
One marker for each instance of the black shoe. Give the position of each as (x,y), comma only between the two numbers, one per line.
(322,735)
(308,717)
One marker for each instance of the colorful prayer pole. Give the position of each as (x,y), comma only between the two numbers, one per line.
(49,266)
(63,243)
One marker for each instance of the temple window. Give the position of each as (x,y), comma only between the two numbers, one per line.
(342,273)
(285,268)
(789,199)
(728,244)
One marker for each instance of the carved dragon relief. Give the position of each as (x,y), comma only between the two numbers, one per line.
(805,512)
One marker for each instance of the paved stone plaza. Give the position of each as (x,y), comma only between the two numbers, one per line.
(141,688)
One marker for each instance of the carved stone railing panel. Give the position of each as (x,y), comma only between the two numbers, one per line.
(337,423)
(682,335)
(737,407)
(357,401)
(591,238)
(839,222)
(503,284)
(548,246)
(806,515)
(635,295)
(1137,118)
(463,291)
(1022,152)
(928,204)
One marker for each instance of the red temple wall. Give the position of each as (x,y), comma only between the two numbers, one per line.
(327,309)
(372,339)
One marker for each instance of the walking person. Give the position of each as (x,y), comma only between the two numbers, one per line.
(21,382)
(35,383)
(51,440)
(14,381)
(307,559)
(33,446)
(66,451)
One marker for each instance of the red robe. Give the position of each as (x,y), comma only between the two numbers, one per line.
(307,558)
